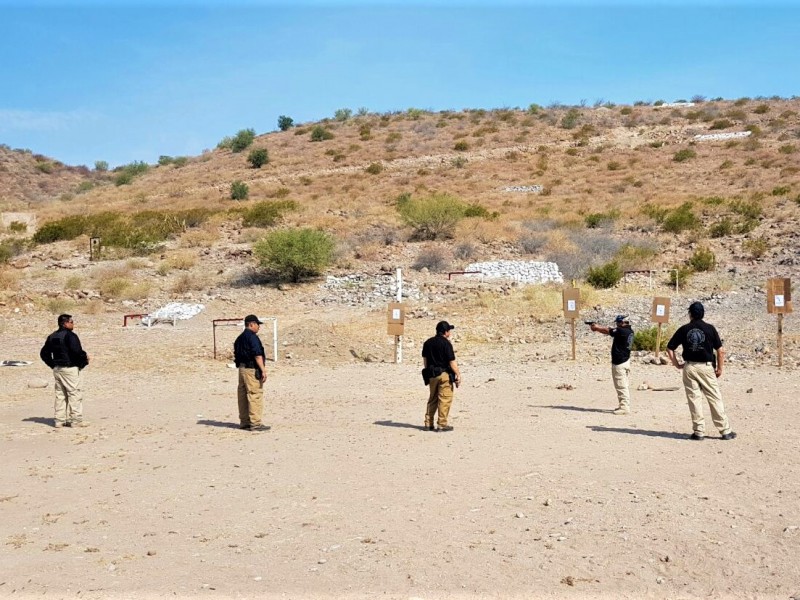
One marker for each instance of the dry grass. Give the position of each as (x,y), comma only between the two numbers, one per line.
(9,280)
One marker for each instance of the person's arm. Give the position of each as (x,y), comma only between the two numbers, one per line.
(720,361)
(456,372)
(674,359)
(45,355)
(600,329)
(258,355)
(75,350)
(260,363)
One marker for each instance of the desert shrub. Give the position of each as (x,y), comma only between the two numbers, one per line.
(476,210)
(267,213)
(533,242)
(596,220)
(239,142)
(749,209)
(285,123)
(434,217)
(465,250)
(781,190)
(756,247)
(459,162)
(180,161)
(633,256)
(8,279)
(199,238)
(721,124)
(374,168)
(684,155)
(187,282)
(113,287)
(182,261)
(680,219)
(682,274)
(433,258)
(126,173)
(45,167)
(239,190)
(9,248)
(258,157)
(657,213)
(722,228)
(747,225)
(123,178)
(703,259)
(165,160)
(605,276)
(73,282)
(461,146)
(101,166)
(570,120)
(614,165)
(17,227)
(342,114)
(787,149)
(320,133)
(645,339)
(295,253)
(761,109)
(67,228)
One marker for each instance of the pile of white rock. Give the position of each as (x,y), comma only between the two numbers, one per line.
(713,137)
(521,271)
(360,289)
(529,189)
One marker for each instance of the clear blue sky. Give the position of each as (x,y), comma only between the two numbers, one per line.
(124,81)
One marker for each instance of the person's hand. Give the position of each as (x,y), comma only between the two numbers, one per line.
(263,376)
(458,380)
(680,366)
(718,372)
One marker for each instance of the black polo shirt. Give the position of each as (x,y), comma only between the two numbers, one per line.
(621,346)
(439,352)
(246,347)
(699,340)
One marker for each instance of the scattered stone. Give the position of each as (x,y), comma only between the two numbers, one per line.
(749,391)
(520,515)
(36,384)
(565,386)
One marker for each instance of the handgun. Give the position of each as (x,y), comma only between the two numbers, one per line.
(590,322)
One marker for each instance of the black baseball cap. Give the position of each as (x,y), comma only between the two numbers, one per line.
(621,319)
(252,319)
(444,326)
(697,310)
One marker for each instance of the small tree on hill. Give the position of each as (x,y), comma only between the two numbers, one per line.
(285,123)
(239,190)
(258,157)
(295,253)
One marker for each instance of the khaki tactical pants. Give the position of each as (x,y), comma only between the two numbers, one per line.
(440,399)
(700,383)
(69,395)
(621,374)
(251,398)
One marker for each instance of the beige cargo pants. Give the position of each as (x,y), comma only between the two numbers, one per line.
(621,376)
(251,398)
(441,397)
(69,395)
(700,383)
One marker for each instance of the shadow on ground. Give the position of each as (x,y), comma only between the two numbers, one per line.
(41,421)
(647,432)
(575,408)
(395,424)
(225,424)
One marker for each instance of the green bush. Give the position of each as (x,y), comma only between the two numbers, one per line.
(595,220)
(634,257)
(684,155)
(295,253)
(748,209)
(781,190)
(721,124)
(165,160)
(722,228)
(342,114)
(476,210)
(84,186)
(761,109)
(258,157)
(126,173)
(45,167)
(319,134)
(703,259)
(123,178)
(756,247)
(680,273)
(285,123)
(17,227)
(645,339)
(787,149)
(101,166)
(680,219)
(605,276)
(267,213)
(461,146)
(657,213)
(570,120)
(10,248)
(434,217)
(239,190)
(243,139)
(374,168)
(67,228)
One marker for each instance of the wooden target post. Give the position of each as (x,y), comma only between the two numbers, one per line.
(779,302)
(659,315)
(396,323)
(94,248)
(571,298)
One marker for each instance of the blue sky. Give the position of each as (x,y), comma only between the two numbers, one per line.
(123,81)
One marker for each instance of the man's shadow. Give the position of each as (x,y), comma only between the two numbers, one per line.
(647,432)
(395,424)
(223,424)
(575,408)
(41,420)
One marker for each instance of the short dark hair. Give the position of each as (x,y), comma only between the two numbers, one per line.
(696,310)
(64,319)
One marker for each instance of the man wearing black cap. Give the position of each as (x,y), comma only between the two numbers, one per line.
(62,352)
(248,352)
(439,359)
(620,360)
(701,369)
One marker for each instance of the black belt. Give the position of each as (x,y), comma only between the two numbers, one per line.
(249,365)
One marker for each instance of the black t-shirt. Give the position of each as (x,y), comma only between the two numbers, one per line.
(63,349)
(439,352)
(699,340)
(247,346)
(621,346)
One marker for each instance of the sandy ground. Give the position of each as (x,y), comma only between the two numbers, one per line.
(539,492)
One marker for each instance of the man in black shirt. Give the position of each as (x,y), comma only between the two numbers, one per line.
(248,352)
(439,359)
(701,369)
(63,353)
(620,360)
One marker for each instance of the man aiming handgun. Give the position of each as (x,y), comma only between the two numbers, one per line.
(620,359)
